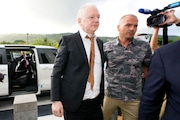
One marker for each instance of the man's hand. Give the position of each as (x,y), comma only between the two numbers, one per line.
(57,108)
(170,17)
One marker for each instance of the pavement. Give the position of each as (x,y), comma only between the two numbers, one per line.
(50,117)
(44,109)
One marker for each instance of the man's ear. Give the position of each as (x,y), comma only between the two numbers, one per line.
(79,21)
(118,26)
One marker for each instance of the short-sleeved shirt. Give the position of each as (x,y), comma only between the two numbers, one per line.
(124,68)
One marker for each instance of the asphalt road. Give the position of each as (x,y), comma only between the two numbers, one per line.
(6,107)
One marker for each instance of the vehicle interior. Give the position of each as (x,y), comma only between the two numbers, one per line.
(22,70)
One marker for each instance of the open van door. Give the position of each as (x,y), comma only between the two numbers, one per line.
(4,83)
(22,70)
(46,62)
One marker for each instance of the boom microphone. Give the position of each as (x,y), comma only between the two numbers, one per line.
(173,5)
(145,11)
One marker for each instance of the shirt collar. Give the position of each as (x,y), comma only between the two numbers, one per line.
(83,34)
(117,41)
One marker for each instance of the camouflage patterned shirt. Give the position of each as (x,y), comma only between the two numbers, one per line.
(125,67)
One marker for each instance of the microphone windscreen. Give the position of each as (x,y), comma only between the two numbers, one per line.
(144,11)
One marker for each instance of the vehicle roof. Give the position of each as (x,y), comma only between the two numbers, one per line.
(21,45)
(1,46)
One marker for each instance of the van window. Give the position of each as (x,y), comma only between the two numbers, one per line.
(1,62)
(46,56)
(2,56)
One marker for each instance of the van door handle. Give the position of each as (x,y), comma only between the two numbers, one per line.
(45,68)
(2,70)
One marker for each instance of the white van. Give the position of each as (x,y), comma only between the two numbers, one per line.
(25,69)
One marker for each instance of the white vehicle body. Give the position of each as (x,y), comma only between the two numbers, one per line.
(32,79)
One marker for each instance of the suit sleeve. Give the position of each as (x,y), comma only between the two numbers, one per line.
(57,73)
(154,89)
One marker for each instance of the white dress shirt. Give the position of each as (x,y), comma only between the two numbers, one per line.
(92,93)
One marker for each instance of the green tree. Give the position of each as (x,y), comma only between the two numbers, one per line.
(19,42)
(4,42)
(44,41)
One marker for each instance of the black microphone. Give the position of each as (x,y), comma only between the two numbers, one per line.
(145,11)
(173,5)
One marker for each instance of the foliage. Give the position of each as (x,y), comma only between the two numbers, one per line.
(19,42)
(53,39)
(4,42)
(44,41)
(160,40)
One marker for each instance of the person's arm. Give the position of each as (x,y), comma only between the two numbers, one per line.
(153,91)
(145,72)
(56,77)
(154,39)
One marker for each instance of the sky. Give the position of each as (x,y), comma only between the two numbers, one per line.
(59,16)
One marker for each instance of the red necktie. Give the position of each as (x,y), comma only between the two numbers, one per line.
(91,62)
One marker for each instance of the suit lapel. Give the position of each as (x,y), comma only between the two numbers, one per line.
(82,50)
(80,45)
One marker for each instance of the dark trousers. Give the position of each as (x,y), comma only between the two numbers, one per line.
(89,110)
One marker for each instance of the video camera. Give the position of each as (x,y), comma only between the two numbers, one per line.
(155,20)
(156,17)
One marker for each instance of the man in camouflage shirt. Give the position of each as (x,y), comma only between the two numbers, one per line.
(126,58)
